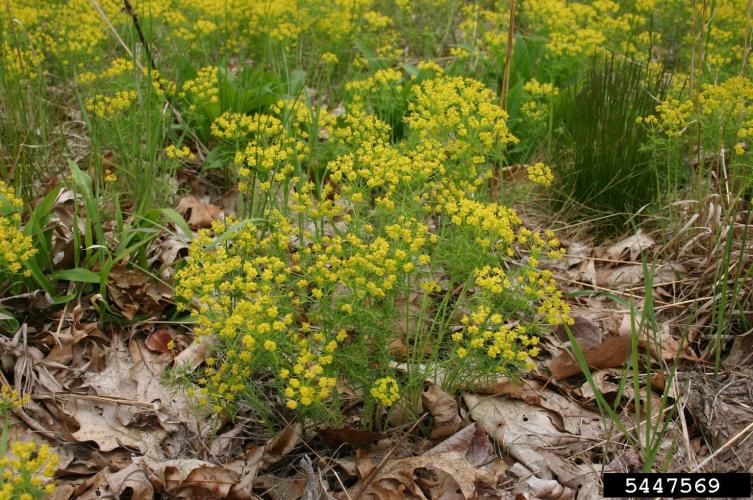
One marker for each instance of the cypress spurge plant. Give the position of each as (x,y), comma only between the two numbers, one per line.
(25,466)
(400,268)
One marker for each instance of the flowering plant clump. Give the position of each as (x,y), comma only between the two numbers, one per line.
(16,248)
(26,468)
(10,400)
(311,293)
(25,472)
(725,107)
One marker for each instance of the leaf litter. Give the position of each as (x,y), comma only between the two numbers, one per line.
(101,399)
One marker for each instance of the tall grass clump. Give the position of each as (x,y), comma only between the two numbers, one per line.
(607,169)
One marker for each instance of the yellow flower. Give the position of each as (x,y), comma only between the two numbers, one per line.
(540,174)
(386,391)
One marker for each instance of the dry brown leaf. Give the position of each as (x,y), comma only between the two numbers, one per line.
(282,444)
(247,469)
(444,411)
(195,354)
(667,346)
(521,429)
(443,476)
(133,292)
(259,458)
(165,250)
(101,426)
(69,348)
(630,247)
(525,390)
(281,488)
(130,482)
(160,341)
(600,353)
(606,382)
(534,487)
(472,442)
(198,213)
(572,417)
(146,371)
(228,444)
(619,276)
(189,478)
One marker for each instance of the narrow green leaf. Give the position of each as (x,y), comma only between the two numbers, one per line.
(78,274)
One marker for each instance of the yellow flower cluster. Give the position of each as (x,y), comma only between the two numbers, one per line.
(726,107)
(16,248)
(202,90)
(484,28)
(382,169)
(383,80)
(729,98)
(117,67)
(358,127)
(461,115)
(541,288)
(386,391)
(540,174)
(577,29)
(492,224)
(179,153)
(674,117)
(275,142)
(107,107)
(162,86)
(488,333)
(11,399)
(329,58)
(537,106)
(250,295)
(21,65)
(25,473)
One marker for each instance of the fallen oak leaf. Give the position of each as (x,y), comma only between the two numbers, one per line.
(521,429)
(161,341)
(444,411)
(189,478)
(130,482)
(195,354)
(631,246)
(472,442)
(540,489)
(197,213)
(445,475)
(600,352)
(611,353)
(259,458)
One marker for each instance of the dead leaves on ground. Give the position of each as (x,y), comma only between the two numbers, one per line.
(599,350)
(127,434)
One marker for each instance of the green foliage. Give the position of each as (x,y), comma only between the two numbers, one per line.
(605,167)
